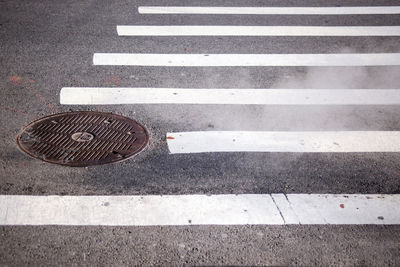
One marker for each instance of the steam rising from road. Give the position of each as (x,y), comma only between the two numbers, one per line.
(286,118)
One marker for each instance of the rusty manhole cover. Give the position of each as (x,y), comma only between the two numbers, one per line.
(83,138)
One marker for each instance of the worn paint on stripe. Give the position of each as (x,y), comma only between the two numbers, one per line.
(187,30)
(242,209)
(116,95)
(348,10)
(246,60)
(247,141)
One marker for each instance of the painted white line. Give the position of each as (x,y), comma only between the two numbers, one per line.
(257,31)
(353,10)
(138,210)
(246,141)
(345,209)
(117,95)
(246,60)
(277,209)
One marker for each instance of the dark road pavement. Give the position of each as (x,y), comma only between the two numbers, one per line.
(49,45)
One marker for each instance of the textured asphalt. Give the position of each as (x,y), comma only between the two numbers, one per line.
(47,45)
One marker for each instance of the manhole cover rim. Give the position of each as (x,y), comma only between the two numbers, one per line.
(140,148)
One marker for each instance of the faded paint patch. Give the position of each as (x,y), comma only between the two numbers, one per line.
(15,79)
(26,83)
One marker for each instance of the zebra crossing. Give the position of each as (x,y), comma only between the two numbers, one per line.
(246,165)
(229,209)
(351,141)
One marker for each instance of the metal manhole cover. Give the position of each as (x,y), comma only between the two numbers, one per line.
(83,138)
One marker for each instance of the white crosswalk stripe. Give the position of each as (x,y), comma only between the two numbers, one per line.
(348,10)
(118,95)
(250,141)
(275,209)
(187,30)
(246,60)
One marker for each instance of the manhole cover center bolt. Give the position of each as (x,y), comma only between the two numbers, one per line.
(82,137)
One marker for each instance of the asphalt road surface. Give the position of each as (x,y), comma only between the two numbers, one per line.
(50,45)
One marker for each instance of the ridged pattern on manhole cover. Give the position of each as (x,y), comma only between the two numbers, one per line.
(83,138)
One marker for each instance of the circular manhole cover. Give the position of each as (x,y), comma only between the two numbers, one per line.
(83,138)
